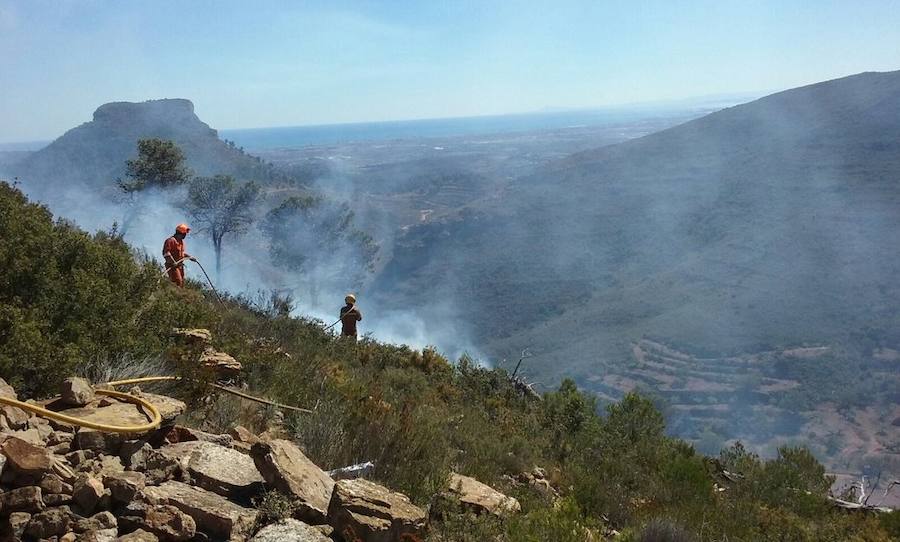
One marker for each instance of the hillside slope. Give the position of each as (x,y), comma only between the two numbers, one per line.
(757,228)
(411,413)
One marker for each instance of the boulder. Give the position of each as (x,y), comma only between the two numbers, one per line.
(133,454)
(123,486)
(220,362)
(50,522)
(481,498)
(98,522)
(222,470)
(361,510)
(199,335)
(56,499)
(27,458)
(180,433)
(87,492)
(16,524)
(51,483)
(121,413)
(107,464)
(7,391)
(286,469)
(213,514)
(289,530)
(76,391)
(98,535)
(98,441)
(166,522)
(138,536)
(10,416)
(241,434)
(24,499)
(242,439)
(31,436)
(13,417)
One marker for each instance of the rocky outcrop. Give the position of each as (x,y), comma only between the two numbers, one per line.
(193,336)
(286,469)
(364,511)
(289,530)
(480,498)
(73,484)
(224,365)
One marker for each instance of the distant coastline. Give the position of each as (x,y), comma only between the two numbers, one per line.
(254,139)
(269,138)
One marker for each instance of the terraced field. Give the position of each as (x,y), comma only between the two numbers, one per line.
(761,400)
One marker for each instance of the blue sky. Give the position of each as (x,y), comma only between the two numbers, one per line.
(249,64)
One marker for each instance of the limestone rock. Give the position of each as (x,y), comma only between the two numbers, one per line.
(286,469)
(7,391)
(481,498)
(120,413)
(13,417)
(289,530)
(31,436)
(138,536)
(56,499)
(26,457)
(51,483)
(98,535)
(50,522)
(243,438)
(180,433)
(98,441)
(24,499)
(98,522)
(87,492)
(241,434)
(223,470)
(107,464)
(133,454)
(17,522)
(76,391)
(199,335)
(220,362)
(213,514)
(365,511)
(168,523)
(123,486)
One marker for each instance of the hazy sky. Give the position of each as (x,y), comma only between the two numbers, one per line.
(258,63)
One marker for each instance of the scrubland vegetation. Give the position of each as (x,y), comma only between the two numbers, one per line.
(72,301)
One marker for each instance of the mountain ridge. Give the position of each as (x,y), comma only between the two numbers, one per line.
(90,155)
(758,228)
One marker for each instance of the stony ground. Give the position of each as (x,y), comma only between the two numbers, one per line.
(65,483)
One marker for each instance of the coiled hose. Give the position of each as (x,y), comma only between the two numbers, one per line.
(150,409)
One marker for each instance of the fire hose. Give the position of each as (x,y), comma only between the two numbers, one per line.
(205,274)
(150,410)
(336,322)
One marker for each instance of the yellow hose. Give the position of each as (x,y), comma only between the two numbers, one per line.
(154,414)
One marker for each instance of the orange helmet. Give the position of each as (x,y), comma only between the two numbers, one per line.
(182,228)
